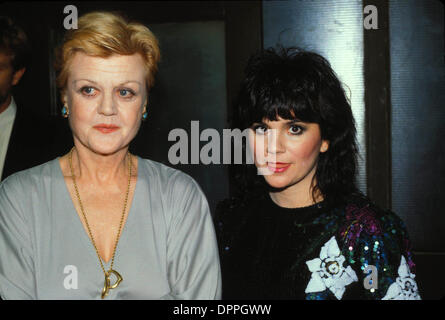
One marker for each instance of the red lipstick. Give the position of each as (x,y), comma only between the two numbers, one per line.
(106,128)
(278,167)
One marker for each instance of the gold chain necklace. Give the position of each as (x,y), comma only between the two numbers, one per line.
(107,283)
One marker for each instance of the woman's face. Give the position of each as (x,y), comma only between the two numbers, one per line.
(286,151)
(106,98)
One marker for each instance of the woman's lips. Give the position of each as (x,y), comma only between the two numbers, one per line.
(106,128)
(278,167)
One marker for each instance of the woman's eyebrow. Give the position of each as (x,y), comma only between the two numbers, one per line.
(130,81)
(125,82)
(293,121)
(77,80)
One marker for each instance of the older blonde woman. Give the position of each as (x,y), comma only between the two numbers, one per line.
(100,222)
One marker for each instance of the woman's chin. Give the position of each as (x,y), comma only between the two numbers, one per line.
(104,149)
(276,182)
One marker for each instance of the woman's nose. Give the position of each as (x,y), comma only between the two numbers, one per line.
(107,106)
(274,142)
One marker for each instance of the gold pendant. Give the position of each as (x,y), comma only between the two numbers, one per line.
(107,283)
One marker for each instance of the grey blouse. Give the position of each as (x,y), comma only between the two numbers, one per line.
(167,248)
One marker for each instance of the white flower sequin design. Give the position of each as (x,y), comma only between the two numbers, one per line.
(405,287)
(328,271)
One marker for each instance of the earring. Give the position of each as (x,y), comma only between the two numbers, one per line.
(65,112)
(145,114)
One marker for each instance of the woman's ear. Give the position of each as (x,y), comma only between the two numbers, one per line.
(144,109)
(324,146)
(64,98)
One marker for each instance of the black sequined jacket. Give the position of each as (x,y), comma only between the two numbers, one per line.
(350,251)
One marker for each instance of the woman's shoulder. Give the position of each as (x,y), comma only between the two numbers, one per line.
(162,171)
(232,215)
(166,177)
(371,236)
(232,206)
(365,223)
(23,192)
(229,205)
(363,214)
(28,179)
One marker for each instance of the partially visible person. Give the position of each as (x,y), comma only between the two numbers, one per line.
(100,222)
(301,229)
(25,140)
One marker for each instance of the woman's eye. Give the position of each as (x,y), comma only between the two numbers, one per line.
(260,129)
(89,91)
(296,130)
(126,93)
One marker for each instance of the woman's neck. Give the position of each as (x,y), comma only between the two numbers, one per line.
(99,169)
(298,195)
(289,200)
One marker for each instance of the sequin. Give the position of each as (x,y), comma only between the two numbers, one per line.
(363,237)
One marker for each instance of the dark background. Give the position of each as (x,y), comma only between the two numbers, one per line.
(395,75)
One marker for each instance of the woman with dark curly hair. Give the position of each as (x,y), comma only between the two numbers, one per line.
(299,228)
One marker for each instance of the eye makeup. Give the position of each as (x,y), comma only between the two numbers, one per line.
(90,91)
(294,127)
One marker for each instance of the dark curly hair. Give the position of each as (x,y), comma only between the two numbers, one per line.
(293,83)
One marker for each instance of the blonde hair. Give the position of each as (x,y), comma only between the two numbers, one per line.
(103,34)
